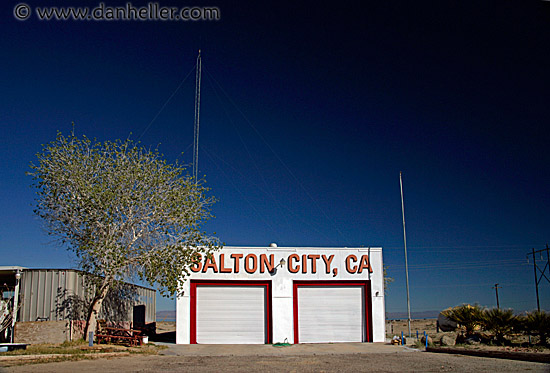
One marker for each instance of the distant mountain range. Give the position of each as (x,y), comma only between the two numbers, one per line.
(166,315)
(414,315)
(171,315)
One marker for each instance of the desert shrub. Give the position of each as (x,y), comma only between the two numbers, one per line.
(499,322)
(537,322)
(468,317)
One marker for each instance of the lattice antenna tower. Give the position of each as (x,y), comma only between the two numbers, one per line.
(197,117)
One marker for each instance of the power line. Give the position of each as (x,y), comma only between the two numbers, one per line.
(278,158)
(480,285)
(267,190)
(462,247)
(240,192)
(461,266)
(267,193)
(240,138)
(166,103)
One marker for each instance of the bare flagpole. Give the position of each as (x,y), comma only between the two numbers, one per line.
(406,262)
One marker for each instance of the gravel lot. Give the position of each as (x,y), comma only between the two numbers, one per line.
(312,358)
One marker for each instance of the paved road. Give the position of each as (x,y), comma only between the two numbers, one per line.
(342,357)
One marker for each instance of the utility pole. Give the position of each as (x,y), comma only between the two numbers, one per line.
(536,281)
(198,74)
(406,261)
(536,269)
(496,287)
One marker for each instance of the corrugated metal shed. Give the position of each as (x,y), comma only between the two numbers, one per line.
(51,294)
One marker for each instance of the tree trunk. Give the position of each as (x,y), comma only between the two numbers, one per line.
(95,307)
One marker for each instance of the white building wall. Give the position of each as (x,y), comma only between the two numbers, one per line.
(282,284)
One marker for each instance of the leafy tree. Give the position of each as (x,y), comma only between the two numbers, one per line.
(499,322)
(467,316)
(387,280)
(116,305)
(124,211)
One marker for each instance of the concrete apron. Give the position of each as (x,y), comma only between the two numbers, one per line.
(293,350)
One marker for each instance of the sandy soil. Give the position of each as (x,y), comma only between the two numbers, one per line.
(381,358)
(376,362)
(395,327)
(166,326)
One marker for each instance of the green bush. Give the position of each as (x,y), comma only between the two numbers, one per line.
(466,316)
(537,322)
(499,322)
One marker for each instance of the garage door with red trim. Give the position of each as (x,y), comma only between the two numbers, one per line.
(332,311)
(233,312)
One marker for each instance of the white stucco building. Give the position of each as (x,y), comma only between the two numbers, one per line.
(277,294)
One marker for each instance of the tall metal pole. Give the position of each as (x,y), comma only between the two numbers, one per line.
(197,117)
(406,261)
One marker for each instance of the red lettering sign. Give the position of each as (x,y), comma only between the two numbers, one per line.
(291,258)
(236,258)
(349,267)
(210,262)
(197,263)
(223,269)
(364,264)
(250,268)
(265,263)
(313,259)
(327,263)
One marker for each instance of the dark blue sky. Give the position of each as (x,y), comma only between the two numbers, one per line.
(309,112)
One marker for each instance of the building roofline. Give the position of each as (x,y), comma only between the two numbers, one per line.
(12,268)
(282,248)
(23,269)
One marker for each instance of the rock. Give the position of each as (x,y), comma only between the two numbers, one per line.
(473,340)
(437,336)
(445,324)
(448,340)
(423,340)
(485,338)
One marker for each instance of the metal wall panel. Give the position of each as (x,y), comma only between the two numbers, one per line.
(34,294)
(43,291)
(51,288)
(25,286)
(59,287)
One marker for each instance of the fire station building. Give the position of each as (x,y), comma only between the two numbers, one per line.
(283,294)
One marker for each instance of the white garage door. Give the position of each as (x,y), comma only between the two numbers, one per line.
(331,314)
(231,314)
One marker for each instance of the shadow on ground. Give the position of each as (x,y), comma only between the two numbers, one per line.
(166,337)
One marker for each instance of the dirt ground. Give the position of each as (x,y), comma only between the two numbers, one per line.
(376,357)
(395,327)
(166,326)
(376,362)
